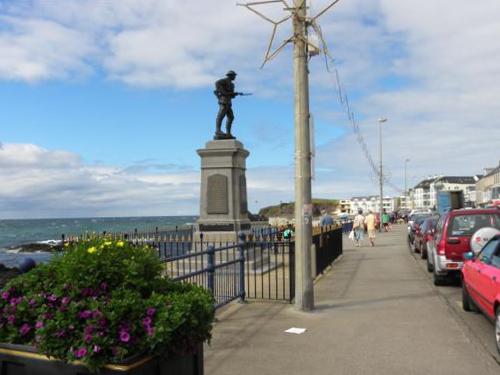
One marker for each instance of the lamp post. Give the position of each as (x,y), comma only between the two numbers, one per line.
(406,186)
(381,175)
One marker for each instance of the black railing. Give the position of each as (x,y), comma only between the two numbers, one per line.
(220,270)
(261,268)
(328,247)
(270,271)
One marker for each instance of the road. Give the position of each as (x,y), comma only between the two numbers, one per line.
(377,312)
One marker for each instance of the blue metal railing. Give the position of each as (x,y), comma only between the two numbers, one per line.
(220,270)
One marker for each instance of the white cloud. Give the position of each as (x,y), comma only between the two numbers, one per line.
(42,183)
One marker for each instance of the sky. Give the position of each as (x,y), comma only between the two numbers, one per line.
(105,102)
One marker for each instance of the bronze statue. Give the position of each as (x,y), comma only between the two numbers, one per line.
(224,90)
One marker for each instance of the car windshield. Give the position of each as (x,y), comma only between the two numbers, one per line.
(466,225)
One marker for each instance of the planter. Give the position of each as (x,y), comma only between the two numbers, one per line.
(21,360)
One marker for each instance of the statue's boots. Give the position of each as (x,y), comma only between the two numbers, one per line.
(228,131)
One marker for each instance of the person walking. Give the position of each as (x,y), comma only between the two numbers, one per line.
(385,221)
(326,219)
(358,226)
(370,222)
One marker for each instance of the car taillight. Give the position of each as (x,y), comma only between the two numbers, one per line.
(441,247)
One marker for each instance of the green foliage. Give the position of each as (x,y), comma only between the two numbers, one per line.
(102,301)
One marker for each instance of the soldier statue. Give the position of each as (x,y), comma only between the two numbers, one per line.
(224,90)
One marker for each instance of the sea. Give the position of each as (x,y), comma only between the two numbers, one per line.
(15,234)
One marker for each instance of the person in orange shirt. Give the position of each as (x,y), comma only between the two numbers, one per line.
(370,222)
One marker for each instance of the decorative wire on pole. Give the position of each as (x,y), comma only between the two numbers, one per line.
(303,49)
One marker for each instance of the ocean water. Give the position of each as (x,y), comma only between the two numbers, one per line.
(14,233)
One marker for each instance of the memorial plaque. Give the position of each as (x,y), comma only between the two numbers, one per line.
(216,227)
(243,195)
(217,196)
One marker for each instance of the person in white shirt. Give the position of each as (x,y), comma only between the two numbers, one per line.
(358,226)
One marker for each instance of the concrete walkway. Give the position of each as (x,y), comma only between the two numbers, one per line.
(376,313)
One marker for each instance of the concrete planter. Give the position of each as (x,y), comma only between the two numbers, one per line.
(22,359)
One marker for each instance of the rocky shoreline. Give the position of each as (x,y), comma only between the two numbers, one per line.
(46,246)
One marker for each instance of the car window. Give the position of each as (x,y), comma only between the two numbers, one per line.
(489,249)
(495,259)
(439,228)
(466,225)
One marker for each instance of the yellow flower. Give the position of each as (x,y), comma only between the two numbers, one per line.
(108,243)
(91,250)
(66,244)
(120,244)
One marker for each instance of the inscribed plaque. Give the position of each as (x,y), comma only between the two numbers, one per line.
(217,202)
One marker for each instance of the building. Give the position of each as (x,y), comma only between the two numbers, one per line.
(421,194)
(345,206)
(467,184)
(372,203)
(425,193)
(488,187)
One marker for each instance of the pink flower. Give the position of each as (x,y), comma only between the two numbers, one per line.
(24,330)
(65,300)
(124,336)
(79,353)
(150,330)
(5,295)
(52,298)
(97,348)
(150,311)
(38,325)
(11,319)
(147,321)
(85,314)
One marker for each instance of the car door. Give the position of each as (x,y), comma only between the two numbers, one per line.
(487,277)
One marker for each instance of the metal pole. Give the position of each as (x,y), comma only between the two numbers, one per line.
(381,177)
(406,185)
(304,293)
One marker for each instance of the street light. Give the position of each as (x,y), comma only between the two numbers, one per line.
(381,175)
(406,186)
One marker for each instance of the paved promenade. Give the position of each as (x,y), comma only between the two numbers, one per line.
(377,312)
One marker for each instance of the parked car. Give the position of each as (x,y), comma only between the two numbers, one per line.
(481,283)
(452,240)
(414,228)
(423,234)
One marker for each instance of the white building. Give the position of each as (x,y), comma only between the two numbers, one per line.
(488,187)
(425,193)
(371,203)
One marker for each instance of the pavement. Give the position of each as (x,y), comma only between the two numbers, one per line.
(377,312)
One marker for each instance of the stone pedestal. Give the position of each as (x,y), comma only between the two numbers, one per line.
(223,201)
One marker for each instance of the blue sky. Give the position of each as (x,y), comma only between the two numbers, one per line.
(105,103)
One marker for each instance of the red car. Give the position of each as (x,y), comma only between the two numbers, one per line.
(452,239)
(481,283)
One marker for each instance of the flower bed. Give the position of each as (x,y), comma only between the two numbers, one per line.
(101,302)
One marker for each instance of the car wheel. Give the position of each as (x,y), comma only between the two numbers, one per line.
(497,329)
(437,279)
(430,267)
(467,303)
(423,253)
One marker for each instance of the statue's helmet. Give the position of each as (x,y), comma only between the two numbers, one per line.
(231,73)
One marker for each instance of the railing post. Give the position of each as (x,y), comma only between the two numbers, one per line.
(211,269)
(241,250)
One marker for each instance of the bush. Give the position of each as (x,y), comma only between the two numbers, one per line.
(102,301)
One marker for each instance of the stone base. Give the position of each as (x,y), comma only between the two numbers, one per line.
(231,237)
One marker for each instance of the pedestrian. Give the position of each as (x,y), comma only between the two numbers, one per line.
(358,227)
(385,221)
(371,222)
(326,219)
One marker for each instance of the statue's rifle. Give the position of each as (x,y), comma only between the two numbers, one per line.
(243,93)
